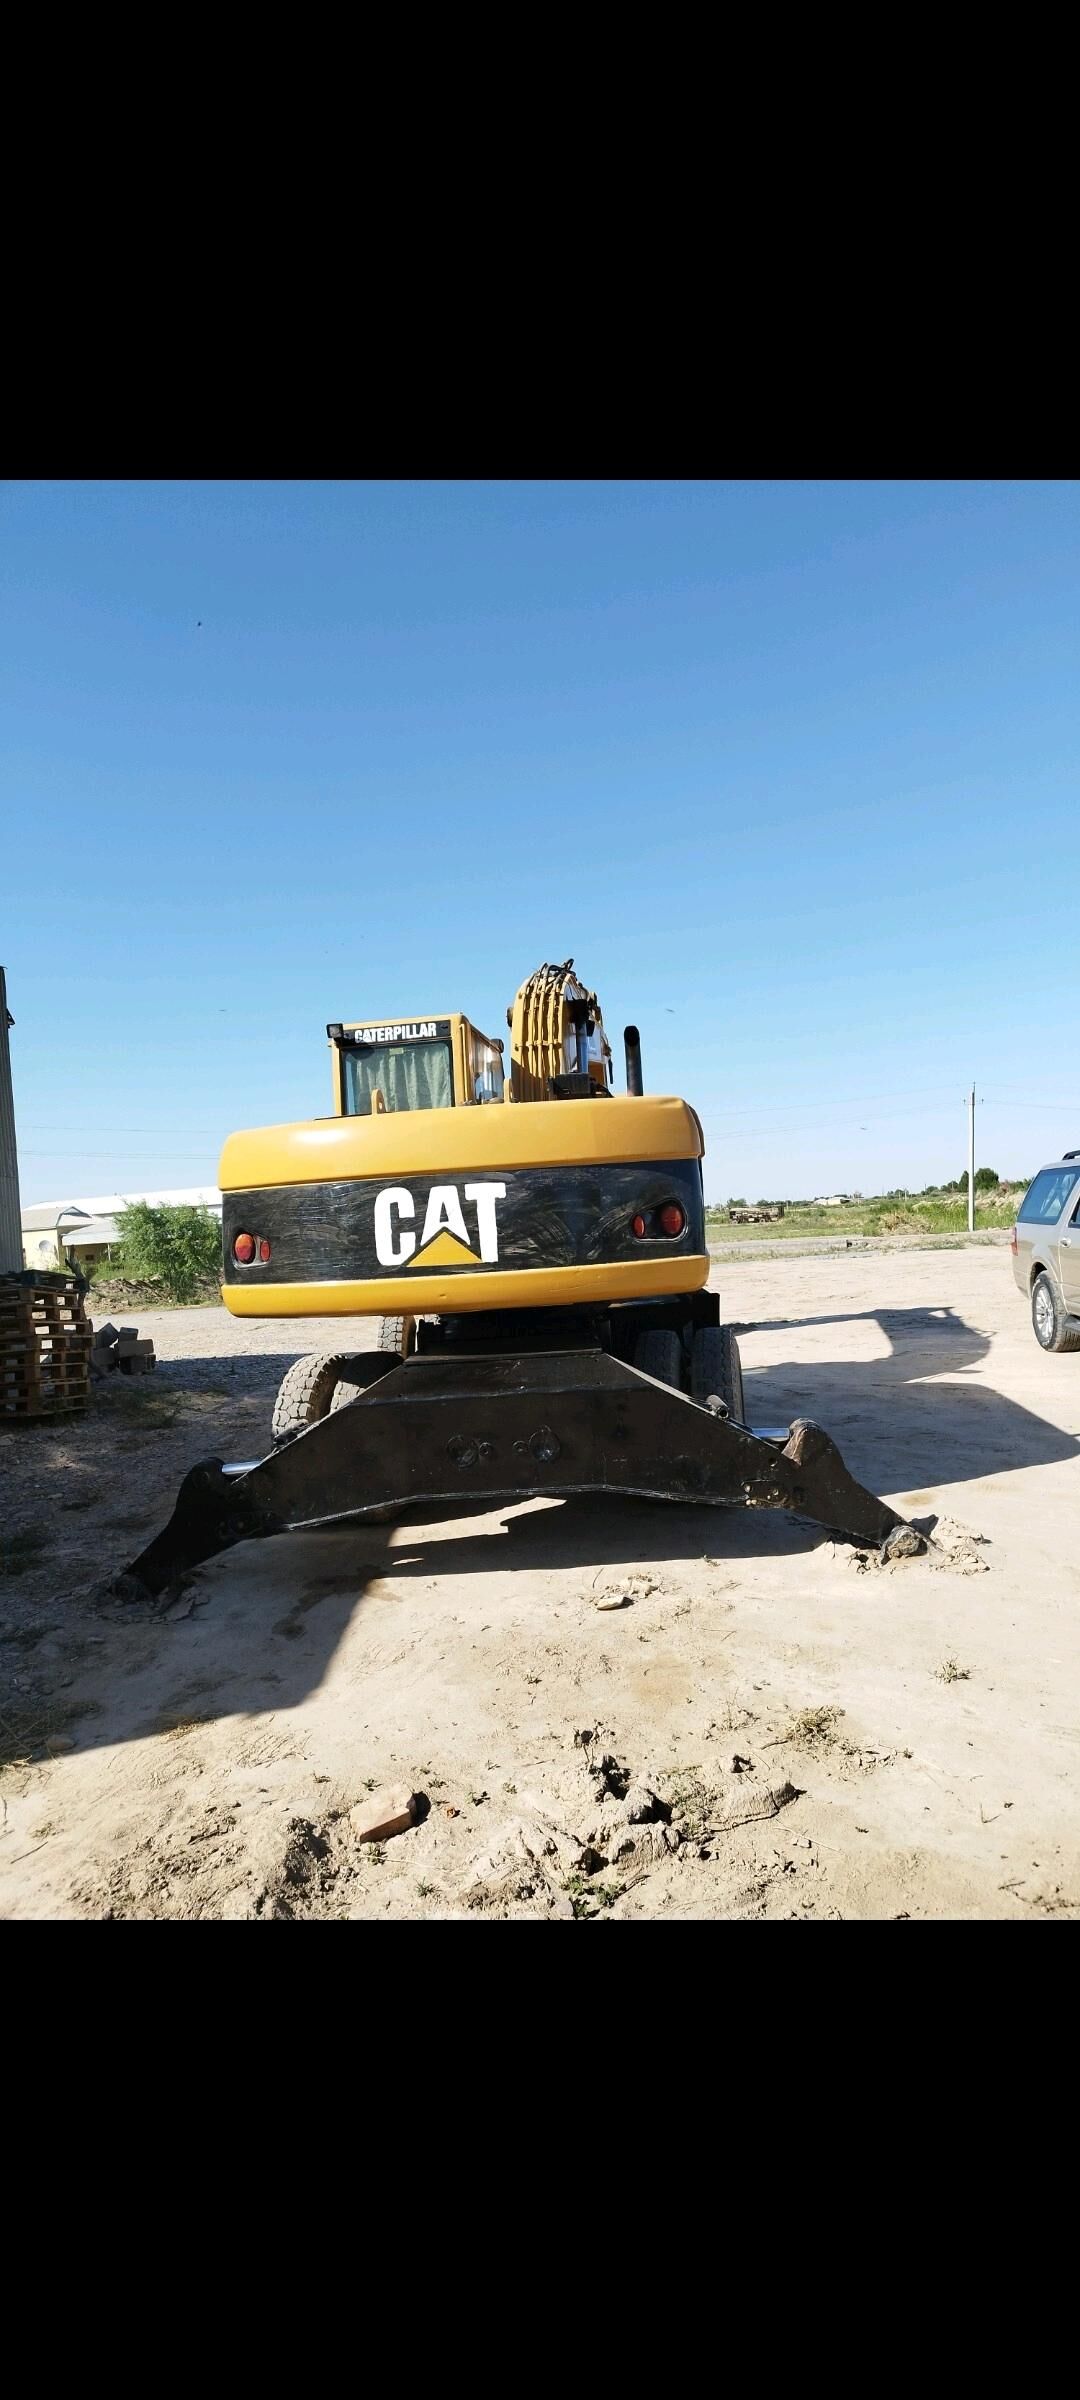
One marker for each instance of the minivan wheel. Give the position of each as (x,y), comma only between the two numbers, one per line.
(1052,1328)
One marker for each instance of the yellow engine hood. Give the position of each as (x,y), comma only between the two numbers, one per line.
(540,1133)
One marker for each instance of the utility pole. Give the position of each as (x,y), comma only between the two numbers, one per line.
(11,1257)
(971,1161)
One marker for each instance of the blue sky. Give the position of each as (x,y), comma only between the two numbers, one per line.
(789,769)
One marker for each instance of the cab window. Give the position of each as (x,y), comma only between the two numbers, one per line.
(1045,1198)
(403,1074)
(487,1071)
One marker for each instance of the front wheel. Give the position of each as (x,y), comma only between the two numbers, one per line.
(1052,1328)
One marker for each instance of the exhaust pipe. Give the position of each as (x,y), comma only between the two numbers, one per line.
(632,1045)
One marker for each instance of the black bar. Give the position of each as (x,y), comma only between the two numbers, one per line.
(632,1047)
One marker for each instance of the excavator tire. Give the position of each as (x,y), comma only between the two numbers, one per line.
(661,1356)
(389,1333)
(315,1385)
(716,1369)
(389,1337)
(306,1393)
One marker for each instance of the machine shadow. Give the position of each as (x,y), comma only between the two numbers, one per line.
(263,1625)
(269,1616)
(901,1420)
(266,1619)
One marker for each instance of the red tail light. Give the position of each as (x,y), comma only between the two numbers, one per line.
(244,1249)
(637,1228)
(1013,1243)
(264,1251)
(672,1220)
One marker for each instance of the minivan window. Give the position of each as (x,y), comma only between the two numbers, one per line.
(1045,1198)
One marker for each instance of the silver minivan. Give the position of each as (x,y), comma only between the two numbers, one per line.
(1046,1253)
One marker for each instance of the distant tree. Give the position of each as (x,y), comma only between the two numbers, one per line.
(177,1246)
(736,1204)
(986,1179)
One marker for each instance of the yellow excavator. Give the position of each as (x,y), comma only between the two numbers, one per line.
(523,1260)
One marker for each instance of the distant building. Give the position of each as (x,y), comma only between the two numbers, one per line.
(46,1232)
(66,1234)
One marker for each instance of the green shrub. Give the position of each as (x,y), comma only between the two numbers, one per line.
(177,1246)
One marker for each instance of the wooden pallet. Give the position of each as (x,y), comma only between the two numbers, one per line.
(44,1347)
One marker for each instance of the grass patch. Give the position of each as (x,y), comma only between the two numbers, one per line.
(931,1212)
(588,1899)
(814,1728)
(951,1672)
(690,1800)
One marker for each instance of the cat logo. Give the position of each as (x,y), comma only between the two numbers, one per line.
(446,1240)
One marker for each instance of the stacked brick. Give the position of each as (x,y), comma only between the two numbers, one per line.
(118,1350)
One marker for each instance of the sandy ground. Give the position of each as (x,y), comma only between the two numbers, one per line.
(771,1727)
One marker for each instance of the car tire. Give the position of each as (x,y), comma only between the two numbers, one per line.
(1050,1324)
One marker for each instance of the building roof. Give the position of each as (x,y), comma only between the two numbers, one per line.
(50,1214)
(109,1204)
(89,1232)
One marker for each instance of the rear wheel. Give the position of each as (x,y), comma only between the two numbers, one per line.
(389,1339)
(661,1356)
(306,1393)
(1052,1328)
(716,1369)
(314,1386)
(390,1333)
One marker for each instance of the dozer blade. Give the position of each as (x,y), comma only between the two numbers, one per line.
(498,1427)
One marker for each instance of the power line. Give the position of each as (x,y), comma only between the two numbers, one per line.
(1041,1106)
(188,1133)
(142,1158)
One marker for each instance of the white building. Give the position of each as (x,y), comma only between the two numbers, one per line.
(54,1230)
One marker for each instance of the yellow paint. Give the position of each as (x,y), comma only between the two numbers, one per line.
(444,1141)
(543,1036)
(452,1294)
(444,1251)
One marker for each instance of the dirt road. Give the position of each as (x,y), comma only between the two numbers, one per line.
(771,1727)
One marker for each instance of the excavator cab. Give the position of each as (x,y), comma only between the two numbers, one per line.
(387,1065)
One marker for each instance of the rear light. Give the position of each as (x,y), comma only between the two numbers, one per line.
(244,1248)
(637,1228)
(264,1251)
(672,1220)
(1013,1243)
